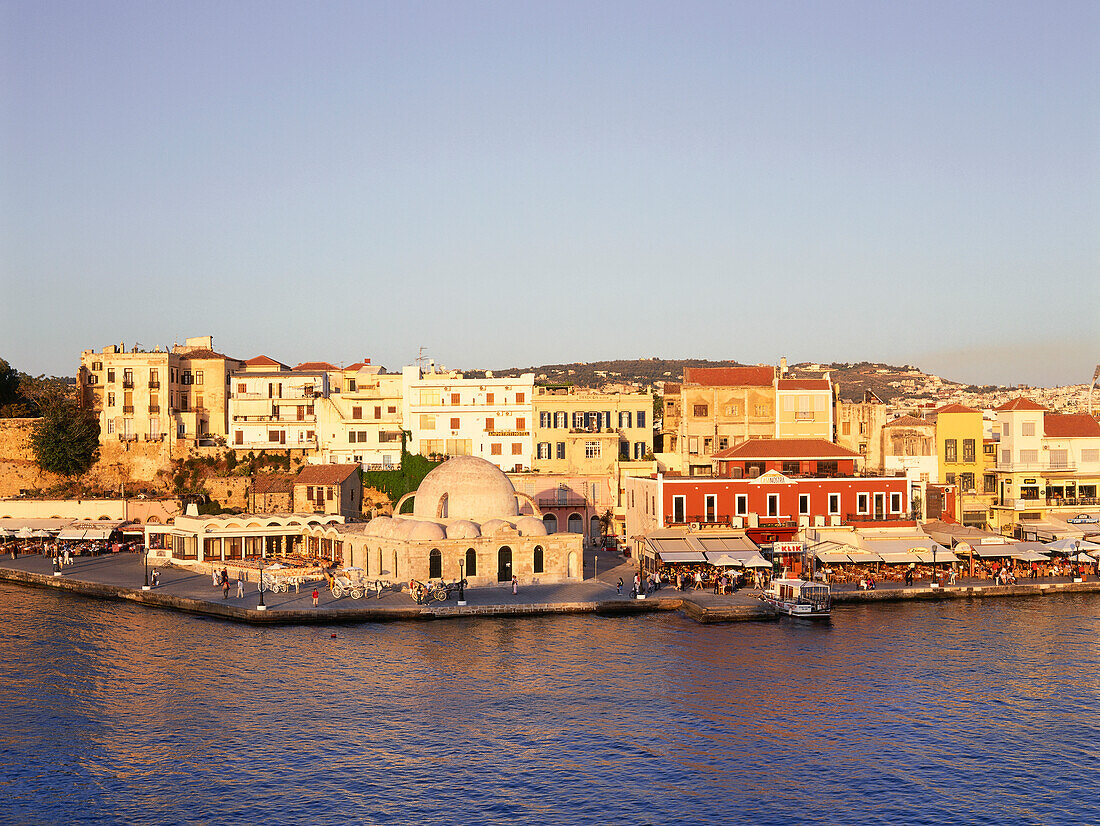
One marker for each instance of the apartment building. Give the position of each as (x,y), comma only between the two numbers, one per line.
(581,431)
(715,408)
(152,396)
(360,420)
(450,415)
(959,445)
(1048,470)
(804,408)
(859,427)
(274,407)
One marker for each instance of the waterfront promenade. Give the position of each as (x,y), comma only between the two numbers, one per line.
(120,577)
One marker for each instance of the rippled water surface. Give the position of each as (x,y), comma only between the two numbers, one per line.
(960,712)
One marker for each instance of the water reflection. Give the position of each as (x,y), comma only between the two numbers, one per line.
(962,712)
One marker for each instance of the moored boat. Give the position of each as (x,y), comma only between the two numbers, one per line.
(799,598)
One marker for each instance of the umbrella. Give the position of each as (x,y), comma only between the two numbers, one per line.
(1083,557)
(42,534)
(6,534)
(1067,545)
(24,533)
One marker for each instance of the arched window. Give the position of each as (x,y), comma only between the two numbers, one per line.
(435,564)
(471,562)
(538,567)
(551,521)
(594,529)
(576,524)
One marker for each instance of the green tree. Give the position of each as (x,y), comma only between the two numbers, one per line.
(66,439)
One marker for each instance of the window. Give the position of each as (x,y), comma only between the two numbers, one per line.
(351,385)
(1006,428)
(708,445)
(723,442)
(560,450)
(711,500)
(989,482)
(1027,428)
(520,398)
(773,504)
(966,481)
(378,411)
(950,450)
(110,426)
(803,504)
(429,397)
(273,435)
(790,467)
(435,564)
(639,419)
(456,398)
(390,409)
(968,450)
(517,448)
(1090,455)
(199,403)
(693,445)
(679,507)
(154,381)
(490,423)
(846,429)
(895,503)
(762,410)
(544,450)
(863,503)
(561,419)
(639,450)
(949,479)
(128,377)
(110,399)
(241,387)
(1029,456)
(427,421)
(545,418)
(471,562)
(238,437)
(97,366)
(110,375)
(490,398)
(699,411)
(537,562)
(1059,459)
(198,377)
(741,504)
(592,450)
(353,436)
(329,491)
(521,423)
(624,418)
(863,428)
(495,449)
(1006,457)
(834,504)
(454,423)
(357,412)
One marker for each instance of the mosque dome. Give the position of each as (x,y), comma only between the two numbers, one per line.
(530,526)
(427,531)
(468,488)
(463,529)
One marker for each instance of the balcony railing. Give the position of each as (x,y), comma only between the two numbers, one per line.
(878,517)
(509,432)
(1072,501)
(154,408)
(128,385)
(127,408)
(154,384)
(154,437)
(573,501)
(127,437)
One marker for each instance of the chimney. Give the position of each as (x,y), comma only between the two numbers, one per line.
(782,366)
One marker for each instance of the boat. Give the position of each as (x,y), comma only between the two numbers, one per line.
(799,598)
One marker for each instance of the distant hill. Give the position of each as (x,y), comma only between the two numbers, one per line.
(854,379)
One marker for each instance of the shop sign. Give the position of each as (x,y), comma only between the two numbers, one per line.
(1083,519)
(1031,481)
(786,548)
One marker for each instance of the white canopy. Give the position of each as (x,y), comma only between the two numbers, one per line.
(1067,545)
(24,533)
(681,556)
(71,535)
(757,561)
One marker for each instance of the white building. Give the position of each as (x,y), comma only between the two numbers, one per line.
(272,407)
(450,415)
(361,419)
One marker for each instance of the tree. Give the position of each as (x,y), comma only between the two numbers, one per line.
(66,439)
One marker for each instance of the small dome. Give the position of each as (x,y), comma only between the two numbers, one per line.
(427,531)
(495,526)
(463,529)
(378,526)
(466,487)
(530,526)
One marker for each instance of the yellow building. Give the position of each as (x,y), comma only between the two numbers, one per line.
(804,408)
(581,431)
(959,451)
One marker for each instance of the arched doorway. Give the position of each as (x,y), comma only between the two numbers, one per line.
(435,564)
(594,529)
(538,562)
(551,522)
(575,523)
(571,565)
(471,562)
(504,564)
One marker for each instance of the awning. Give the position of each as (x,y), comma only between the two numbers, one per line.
(942,556)
(757,561)
(681,556)
(863,557)
(71,535)
(900,558)
(97,534)
(994,551)
(1027,555)
(832,557)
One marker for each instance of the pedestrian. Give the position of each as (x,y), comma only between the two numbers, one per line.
(225,588)
(156,577)
(515,585)
(225,577)
(698,581)
(618,588)
(316,597)
(240,584)
(214,576)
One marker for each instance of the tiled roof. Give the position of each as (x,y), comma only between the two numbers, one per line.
(956,408)
(671,387)
(730,376)
(804,384)
(325,474)
(316,365)
(908,421)
(787,449)
(273,484)
(205,353)
(265,361)
(1020,403)
(1065,425)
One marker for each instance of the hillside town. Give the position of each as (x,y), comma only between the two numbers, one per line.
(739,459)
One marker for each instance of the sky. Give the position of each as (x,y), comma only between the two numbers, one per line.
(518,183)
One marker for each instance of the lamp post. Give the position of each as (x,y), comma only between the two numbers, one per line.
(935,573)
(461,582)
(145,587)
(261,606)
(1076,557)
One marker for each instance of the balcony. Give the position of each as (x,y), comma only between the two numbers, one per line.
(154,384)
(127,408)
(128,384)
(508,432)
(1071,501)
(154,408)
(127,437)
(570,501)
(154,437)
(878,517)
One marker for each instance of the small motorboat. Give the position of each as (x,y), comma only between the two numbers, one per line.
(799,598)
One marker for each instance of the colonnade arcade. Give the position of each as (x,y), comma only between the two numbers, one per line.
(222,538)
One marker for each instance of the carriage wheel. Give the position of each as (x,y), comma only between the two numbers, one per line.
(356,593)
(336,591)
(440,594)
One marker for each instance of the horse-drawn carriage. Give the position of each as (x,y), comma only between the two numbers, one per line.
(425,592)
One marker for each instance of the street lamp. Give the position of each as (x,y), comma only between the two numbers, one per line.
(261,606)
(935,573)
(1076,557)
(145,587)
(461,583)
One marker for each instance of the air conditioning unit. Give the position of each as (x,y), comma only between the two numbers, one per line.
(694,526)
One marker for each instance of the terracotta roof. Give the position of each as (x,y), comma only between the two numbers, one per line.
(671,387)
(1064,425)
(265,361)
(908,421)
(1020,403)
(205,353)
(804,384)
(787,449)
(729,376)
(316,365)
(956,408)
(325,474)
(273,484)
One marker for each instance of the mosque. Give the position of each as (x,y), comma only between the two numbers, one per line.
(466,521)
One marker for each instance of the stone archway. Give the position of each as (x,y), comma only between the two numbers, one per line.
(504,564)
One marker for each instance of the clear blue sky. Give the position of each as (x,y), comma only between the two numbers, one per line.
(518,183)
